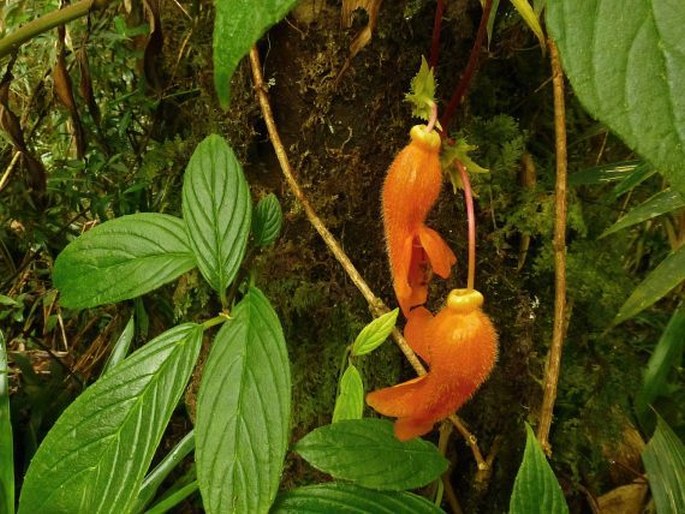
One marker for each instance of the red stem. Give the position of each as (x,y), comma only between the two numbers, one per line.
(471,219)
(470,67)
(435,40)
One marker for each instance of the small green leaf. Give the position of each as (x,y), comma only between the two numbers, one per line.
(375,333)
(238,24)
(531,18)
(217,210)
(350,401)
(459,152)
(6,445)
(366,452)
(121,259)
(267,220)
(659,204)
(95,457)
(335,498)
(169,502)
(536,489)
(422,92)
(243,411)
(171,461)
(491,19)
(666,276)
(120,349)
(664,459)
(626,63)
(666,355)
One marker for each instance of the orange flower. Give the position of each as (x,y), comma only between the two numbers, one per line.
(459,345)
(411,188)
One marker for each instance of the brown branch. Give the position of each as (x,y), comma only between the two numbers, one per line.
(376,305)
(435,39)
(559,244)
(463,85)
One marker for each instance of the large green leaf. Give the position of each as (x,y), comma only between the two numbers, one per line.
(666,276)
(96,455)
(536,489)
(121,259)
(350,401)
(217,210)
(664,459)
(267,220)
(6,446)
(626,63)
(606,173)
(667,355)
(238,24)
(365,451)
(243,411)
(336,498)
(661,203)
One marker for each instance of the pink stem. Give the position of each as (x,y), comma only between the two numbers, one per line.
(434,117)
(471,219)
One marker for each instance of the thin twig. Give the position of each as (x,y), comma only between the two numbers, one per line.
(470,67)
(376,305)
(559,244)
(6,175)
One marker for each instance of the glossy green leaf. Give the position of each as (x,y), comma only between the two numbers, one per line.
(95,457)
(267,220)
(659,204)
(350,401)
(238,24)
(162,470)
(664,459)
(121,346)
(121,259)
(217,210)
(243,411)
(666,276)
(375,333)
(531,18)
(626,63)
(536,489)
(666,355)
(366,452)
(333,498)
(6,445)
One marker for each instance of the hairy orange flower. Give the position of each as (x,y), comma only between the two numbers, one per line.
(459,345)
(411,188)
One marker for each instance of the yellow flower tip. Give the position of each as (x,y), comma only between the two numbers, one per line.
(426,140)
(464,300)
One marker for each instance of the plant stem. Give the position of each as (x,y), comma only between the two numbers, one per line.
(559,244)
(470,67)
(376,304)
(471,220)
(435,39)
(13,41)
(433,118)
(216,320)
